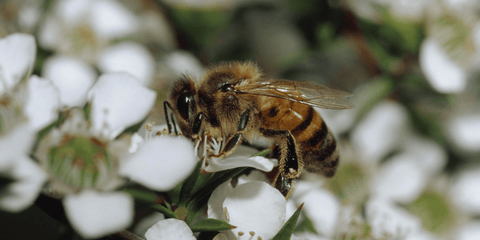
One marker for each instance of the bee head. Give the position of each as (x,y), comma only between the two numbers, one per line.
(182,100)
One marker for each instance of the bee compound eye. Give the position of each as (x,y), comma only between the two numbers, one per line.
(184,104)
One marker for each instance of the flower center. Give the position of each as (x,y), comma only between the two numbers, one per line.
(79,161)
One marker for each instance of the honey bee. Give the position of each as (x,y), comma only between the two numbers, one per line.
(234,101)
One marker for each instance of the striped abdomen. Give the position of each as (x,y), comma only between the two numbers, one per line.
(315,141)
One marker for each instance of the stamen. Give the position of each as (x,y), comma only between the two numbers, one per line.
(225,212)
(252,233)
(259,238)
(240,233)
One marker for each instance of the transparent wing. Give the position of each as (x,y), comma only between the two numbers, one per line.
(303,92)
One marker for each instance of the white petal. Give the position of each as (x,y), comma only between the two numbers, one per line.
(28,16)
(129,57)
(72,12)
(469,231)
(385,218)
(43,102)
(183,62)
(401,179)
(220,164)
(464,132)
(147,222)
(215,202)
(441,72)
(110,19)
(72,77)
(17,58)
(96,214)
(465,191)
(49,35)
(322,208)
(28,182)
(161,163)
(430,155)
(256,207)
(170,229)
(254,175)
(16,143)
(220,236)
(380,131)
(118,101)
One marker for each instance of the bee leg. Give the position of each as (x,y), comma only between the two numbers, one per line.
(197,123)
(236,140)
(290,160)
(169,118)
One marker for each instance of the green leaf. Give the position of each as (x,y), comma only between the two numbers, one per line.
(262,153)
(410,33)
(189,184)
(134,128)
(210,225)
(142,196)
(287,230)
(162,209)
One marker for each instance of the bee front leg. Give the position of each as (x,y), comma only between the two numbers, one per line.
(291,164)
(236,139)
(169,118)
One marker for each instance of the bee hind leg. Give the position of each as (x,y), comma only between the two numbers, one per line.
(291,164)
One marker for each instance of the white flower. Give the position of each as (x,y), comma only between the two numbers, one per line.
(386,219)
(380,132)
(255,208)
(465,191)
(401,179)
(320,206)
(82,156)
(82,27)
(441,71)
(464,131)
(24,109)
(169,229)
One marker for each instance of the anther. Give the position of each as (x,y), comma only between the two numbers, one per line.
(252,233)
(259,238)
(240,233)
